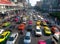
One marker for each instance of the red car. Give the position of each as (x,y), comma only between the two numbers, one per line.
(41,42)
(54,29)
(21,26)
(30,22)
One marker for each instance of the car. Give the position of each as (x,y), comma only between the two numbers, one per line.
(40,17)
(38,31)
(38,26)
(27,39)
(42,42)
(29,28)
(35,19)
(16,19)
(24,22)
(30,22)
(4,36)
(24,19)
(38,22)
(5,24)
(56,36)
(21,26)
(46,20)
(1,31)
(12,39)
(54,29)
(47,31)
(43,23)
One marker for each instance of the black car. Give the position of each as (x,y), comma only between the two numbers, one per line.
(29,28)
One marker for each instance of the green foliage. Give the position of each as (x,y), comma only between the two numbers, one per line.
(56,14)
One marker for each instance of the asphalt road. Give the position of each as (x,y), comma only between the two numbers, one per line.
(34,40)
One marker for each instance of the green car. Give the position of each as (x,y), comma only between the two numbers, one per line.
(6,24)
(4,36)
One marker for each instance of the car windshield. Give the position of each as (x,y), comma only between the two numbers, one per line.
(38,30)
(29,25)
(1,36)
(11,39)
(27,37)
(47,30)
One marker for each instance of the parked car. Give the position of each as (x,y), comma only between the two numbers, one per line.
(4,36)
(12,39)
(42,42)
(1,31)
(27,39)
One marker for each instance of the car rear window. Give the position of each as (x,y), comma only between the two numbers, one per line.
(38,30)
(27,37)
(11,39)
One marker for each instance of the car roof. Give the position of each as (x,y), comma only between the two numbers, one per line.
(37,27)
(28,34)
(46,27)
(4,33)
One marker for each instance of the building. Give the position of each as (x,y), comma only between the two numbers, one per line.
(11,8)
(48,5)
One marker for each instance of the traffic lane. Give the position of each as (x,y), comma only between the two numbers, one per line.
(20,39)
(43,37)
(36,39)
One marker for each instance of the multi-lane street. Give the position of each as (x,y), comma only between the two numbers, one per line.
(34,39)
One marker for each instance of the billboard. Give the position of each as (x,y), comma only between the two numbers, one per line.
(5,2)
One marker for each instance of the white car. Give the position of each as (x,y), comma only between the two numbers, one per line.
(56,35)
(1,31)
(12,39)
(38,31)
(37,27)
(27,39)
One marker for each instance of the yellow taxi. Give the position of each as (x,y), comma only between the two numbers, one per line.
(47,31)
(38,22)
(44,23)
(4,36)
